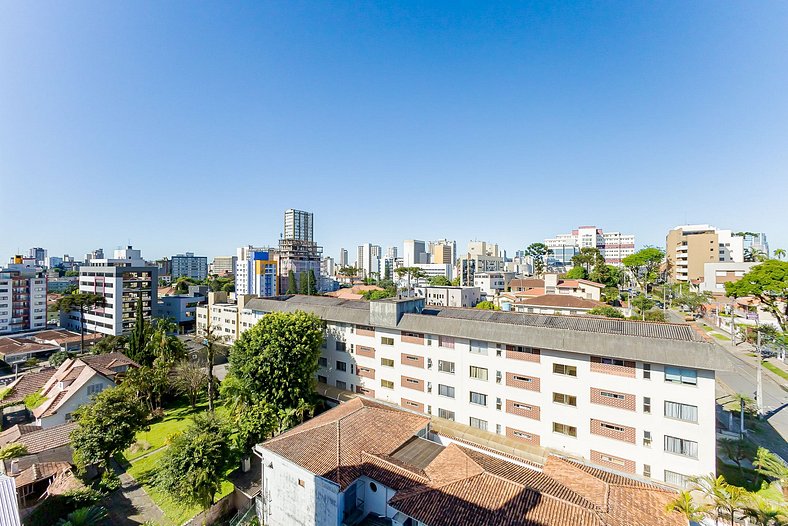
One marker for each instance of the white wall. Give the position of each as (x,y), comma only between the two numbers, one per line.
(78,399)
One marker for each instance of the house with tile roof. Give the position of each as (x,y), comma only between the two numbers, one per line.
(369,463)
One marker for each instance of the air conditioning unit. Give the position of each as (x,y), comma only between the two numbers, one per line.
(429,387)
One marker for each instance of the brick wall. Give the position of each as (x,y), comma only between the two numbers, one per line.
(613,461)
(408,337)
(522,409)
(412,360)
(369,352)
(410,404)
(628,402)
(412,383)
(364,391)
(365,332)
(524,436)
(628,369)
(365,372)
(626,433)
(534,356)
(515,380)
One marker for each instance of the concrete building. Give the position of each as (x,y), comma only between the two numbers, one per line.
(756,242)
(122,281)
(54,261)
(299,225)
(9,508)
(690,247)
(391,253)
(182,308)
(23,296)
(256,271)
(614,246)
(636,397)
(472,263)
(391,466)
(223,265)
(492,284)
(327,267)
(715,275)
(449,296)
(39,255)
(190,266)
(343,261)
(432,270)
(443,252)
(298,251)
(368,260)
(415,252)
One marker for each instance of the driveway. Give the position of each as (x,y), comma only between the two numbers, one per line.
(130,505)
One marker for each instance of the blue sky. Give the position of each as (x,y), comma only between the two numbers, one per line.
(194,125)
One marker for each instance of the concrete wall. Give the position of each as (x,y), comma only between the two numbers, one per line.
(78,399)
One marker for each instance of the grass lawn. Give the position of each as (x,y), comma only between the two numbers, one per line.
(176,419)
(175,512)
(721,337)
(733,476)
(776,370)
(707,328)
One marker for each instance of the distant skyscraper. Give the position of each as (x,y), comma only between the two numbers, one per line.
(298,251)
(298,225)
(368,259)
(190,266)
(39,255)
(415,252)
(256,271)
(223,265)
(443,252)
(343,262)
(391,253)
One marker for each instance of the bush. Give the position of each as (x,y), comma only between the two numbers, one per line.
(608,311)
(34,400)
(59,506)
(58,358)
(655,315)
(486,305)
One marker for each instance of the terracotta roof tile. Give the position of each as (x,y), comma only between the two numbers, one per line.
(40,471)
(561,300)
(28,384)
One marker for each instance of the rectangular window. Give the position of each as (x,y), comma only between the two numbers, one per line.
(446,367)
(646,470)
(95,389)
(522,378)
(568,370)
(478,347)
(446,341)
(322,362)
(341,384)
(671,477)
(561,398)
(340,346)
(446,390)
(677,375)
(445,413)
(647,405)
(612,361)
(608,394)
(611,427)
(520,434)
(480,373)
(681,446)
(647,438)
(498,377)
(612,460)
(478,423)
(388,384)
(322,379)
(386,340)
(478,398)
(564,429)
(498,404)
(341,366)
(387,362)
(647,371)
(688,413)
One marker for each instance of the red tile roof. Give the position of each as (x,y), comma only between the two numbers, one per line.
(561,300)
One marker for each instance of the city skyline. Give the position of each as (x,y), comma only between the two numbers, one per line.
(523,121)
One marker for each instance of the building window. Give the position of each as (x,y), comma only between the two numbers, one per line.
(445,413)
(341,384)
(446,341)
(688,413)
(612,460)
(322,379)
(388,384)
(671,477)
(341,366)
(340,346)
(95,389)
(647,405)
(608,394)
(612,361)
(478,347)
(478,398)
(498,377)
(568,370)
(561,398)
(387,362)
(520,434)
(647,371)
(646,470)
(386,340)
(446,390)
(676,375)
(446,367)
(478,423)
(647,438)
(681,446)
(322,362)
(611,427)
(565,429)
(480,373)
(522,378)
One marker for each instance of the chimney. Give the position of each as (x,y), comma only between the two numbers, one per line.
(14,467)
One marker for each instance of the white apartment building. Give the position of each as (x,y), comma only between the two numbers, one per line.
(256,271)
(492,283)
(122,281)
(189,265)
(449,296)
(23,297)
(715,275)
(222,265)
(635,397)
(368,260)
(614,246)
(343,261)
(432,270)
(415,252)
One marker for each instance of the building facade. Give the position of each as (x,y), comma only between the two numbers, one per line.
(716,275)
(414,252)
(443,252)
(123,281)
(690,247)
(23,297)
(466,297)
(298,252)
(223,265)
(190,266)
(256,271)
(614,246)
(636,397)
(299,225)
(39,255)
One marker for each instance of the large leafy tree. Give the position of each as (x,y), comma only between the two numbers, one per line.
(769,283)
(194,465)
(107,425)
(190,380)
(538,253)
(411,273)
(644,265)
(254,424)
(588,258)
(577,272)
(277,358)
(693,301)
(82,302)
(439,281)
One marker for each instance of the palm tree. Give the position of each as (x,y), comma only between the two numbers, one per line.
(714,489)
(754,254)
(212,343)
(779,253)
(412,273)
(765,512)
(687,507)
(81,301)
(735,497)
(769,465)
(91,516)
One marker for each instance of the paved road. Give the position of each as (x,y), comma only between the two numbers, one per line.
(130,505)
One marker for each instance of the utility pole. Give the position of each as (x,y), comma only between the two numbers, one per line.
(733,321)
(759,376)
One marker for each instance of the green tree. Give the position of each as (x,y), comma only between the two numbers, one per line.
(277,358)
(607,310)
(80,301)
(588,258)
(693,301)
(107,425)
(779,253)
(644,265)
(539,254)
(109,344)
(308,283)
(642,303)
(456,282)
(13,450)
(137,342)
(439,281)
(654,315)
(163,342)
(348,272)
(292,284)
(256,423)
(486,305)
(606,275)
(193,467)
(190,380)
(214,346)
(57,358)
(685,505)
(768,282)
(737,449)
(412,273)
(768,465)
(72,273)
(577,272)
(90,516)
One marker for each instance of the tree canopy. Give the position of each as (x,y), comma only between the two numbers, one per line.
(538,253)
(588,258)
(768,282)
(644,265)
(439,281)
(486,305)
(607,310)
(577,272)
(292,284)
